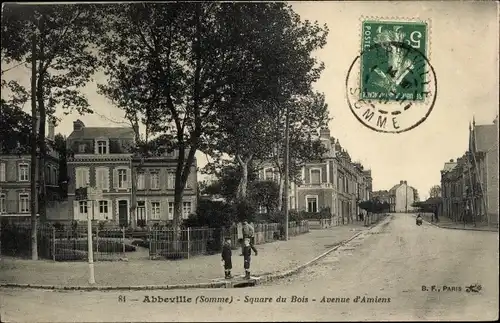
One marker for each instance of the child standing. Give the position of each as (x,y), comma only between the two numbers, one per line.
(226,258)
(247,252)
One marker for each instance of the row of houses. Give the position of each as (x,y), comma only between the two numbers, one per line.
(469,184)
(400,197)
(100,157)
(335,182)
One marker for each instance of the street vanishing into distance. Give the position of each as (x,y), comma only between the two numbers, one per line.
(395,271)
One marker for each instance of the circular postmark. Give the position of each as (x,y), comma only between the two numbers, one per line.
(391,87)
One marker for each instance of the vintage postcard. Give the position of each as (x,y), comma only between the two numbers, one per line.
(249,161)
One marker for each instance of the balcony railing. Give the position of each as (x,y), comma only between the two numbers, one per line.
(319,185)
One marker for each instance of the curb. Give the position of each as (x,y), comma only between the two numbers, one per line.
(223,284)
(463,229)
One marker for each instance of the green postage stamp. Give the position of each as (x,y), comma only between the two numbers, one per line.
(390,71)
(391,85)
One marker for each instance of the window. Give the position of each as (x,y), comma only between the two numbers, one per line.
(55,180)
(269,174)
(186,209)
(81,148)
(155,210)
(102,178)
(170,210)
(2,204)
(262,209)
(82,177)
(24,173)
(2,172)
(103,209)
(155,180)
(312,204)
(83,207)
(122,178)
(315,176)
(24,203)
(140,181)
(102,147)
(171,181)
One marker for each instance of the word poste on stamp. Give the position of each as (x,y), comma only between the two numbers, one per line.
(391,86)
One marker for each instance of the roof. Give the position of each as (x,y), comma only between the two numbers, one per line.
(486,137)
(449,166)
(395,187)
(108,132)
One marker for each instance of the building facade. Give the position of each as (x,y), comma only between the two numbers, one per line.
(135,191)
(335,183)
(100,157)
(401,197)
(153,185)
(470,185)
(15,179)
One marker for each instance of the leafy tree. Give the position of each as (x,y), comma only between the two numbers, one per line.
(435,191)
(56,39)
(185,74)
(307,115)
(228,179)
(254,117)
(15,128)
(264,193)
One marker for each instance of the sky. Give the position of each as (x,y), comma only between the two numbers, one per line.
(463,51)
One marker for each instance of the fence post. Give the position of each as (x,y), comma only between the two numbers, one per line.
(53,243)
(188,229)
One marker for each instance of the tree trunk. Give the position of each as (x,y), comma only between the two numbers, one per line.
(33,195)
(42,147)
(242,186)
(281,191)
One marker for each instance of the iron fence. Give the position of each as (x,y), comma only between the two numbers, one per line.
(60,243)
(184,243)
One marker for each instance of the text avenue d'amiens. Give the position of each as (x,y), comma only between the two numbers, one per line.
(259,300)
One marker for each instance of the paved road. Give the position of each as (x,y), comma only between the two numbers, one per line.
(389,265)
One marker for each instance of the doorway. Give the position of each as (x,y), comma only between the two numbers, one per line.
(123,213)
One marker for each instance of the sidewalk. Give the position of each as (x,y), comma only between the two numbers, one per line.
(448,223)
(273,257)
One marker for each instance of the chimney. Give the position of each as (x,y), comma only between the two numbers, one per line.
(324,133)
(451,160)
(78,125)
(51,135)
(401,182)
(405,182)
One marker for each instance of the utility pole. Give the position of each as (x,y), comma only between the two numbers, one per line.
(287,160)
(33,164)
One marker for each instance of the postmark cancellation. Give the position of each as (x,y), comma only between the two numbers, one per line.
(391,86)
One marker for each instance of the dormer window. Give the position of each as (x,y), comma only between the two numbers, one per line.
(81,148)
(102,146)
